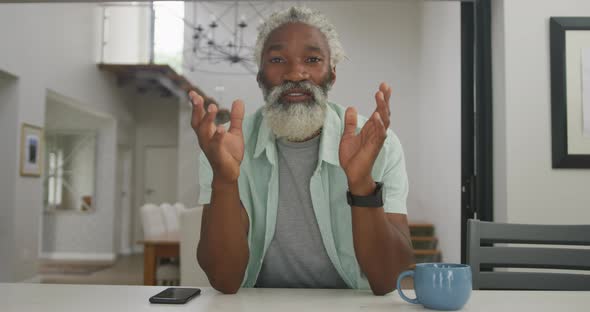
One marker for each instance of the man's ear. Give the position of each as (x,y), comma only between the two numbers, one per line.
(333,75)
(259,78)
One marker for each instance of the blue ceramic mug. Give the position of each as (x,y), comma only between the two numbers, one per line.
(439,286)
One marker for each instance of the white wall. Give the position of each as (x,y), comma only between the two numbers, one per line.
(527,189)
(51,46)
(439,145)
(8,169)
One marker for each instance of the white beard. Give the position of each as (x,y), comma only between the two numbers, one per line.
(295,121)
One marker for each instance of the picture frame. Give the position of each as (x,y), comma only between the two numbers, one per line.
(31,150)
(570,91)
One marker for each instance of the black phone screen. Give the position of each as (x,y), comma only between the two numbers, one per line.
(175,295)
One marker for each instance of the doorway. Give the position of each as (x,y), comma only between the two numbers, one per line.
(160,174)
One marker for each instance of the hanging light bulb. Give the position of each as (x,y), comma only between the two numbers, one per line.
(242,23)
(213,21)
(210,40)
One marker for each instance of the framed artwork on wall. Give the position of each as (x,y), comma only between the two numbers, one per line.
(31,151)
(570,91)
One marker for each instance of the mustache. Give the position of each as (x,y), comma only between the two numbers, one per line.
(273,95)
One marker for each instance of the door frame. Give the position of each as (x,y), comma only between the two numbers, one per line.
(477,181)
(127,152)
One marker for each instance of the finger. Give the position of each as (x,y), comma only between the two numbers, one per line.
(218,134)
(383,87)
(211,113)
(382,107)
(386,89)
(387,102)
(379,124)
(198,110)
(380,130)
(236,117)
(367,129)
(220,130)
(350,121)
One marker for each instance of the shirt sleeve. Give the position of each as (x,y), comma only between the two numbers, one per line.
(205,179)
(395,178)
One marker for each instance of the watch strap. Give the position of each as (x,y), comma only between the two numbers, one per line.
(374,200)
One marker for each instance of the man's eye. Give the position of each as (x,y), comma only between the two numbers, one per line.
(276,60)
(313,59)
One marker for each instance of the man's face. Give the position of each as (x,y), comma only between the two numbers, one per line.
(296,52)
(295,77)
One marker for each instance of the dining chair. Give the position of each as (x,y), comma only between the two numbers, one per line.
(180,207)
(170,215)
(152,221)
(536,250)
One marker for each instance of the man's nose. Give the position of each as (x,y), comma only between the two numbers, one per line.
(296,72)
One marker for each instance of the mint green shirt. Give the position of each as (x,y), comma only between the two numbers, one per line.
(258,186)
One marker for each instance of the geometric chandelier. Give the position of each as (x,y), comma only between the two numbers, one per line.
(223,36)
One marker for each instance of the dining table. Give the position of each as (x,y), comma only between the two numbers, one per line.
(154,248)
(20,297)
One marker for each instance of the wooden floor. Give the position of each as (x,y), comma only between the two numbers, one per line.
(127,270)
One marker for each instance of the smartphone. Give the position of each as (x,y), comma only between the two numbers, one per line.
(175,295)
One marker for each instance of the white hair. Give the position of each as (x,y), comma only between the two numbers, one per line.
(300,14)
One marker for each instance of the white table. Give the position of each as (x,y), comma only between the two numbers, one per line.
(49,298)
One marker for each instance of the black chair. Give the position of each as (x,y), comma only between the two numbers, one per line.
(482,254)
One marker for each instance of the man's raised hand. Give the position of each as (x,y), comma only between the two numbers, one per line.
(224,148)
(358,152)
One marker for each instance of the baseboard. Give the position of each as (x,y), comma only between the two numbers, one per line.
(79,256)
(137,249)
(125,252)
(33,280)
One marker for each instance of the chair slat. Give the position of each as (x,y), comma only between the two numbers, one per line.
(534,234)
(533,281)
(524,257)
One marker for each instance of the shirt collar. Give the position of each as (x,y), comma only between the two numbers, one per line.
(329,143)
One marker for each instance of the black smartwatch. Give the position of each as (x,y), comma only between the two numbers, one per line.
(374,200)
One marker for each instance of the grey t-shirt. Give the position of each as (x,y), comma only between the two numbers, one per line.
(296,257)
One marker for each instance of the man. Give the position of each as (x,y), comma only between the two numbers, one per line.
(300,194)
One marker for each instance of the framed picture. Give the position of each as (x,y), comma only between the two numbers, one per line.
(31,150)
(570,91)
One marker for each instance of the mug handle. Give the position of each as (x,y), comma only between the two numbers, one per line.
(405,274)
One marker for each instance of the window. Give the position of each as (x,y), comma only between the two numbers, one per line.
(55,178)
(169,33)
